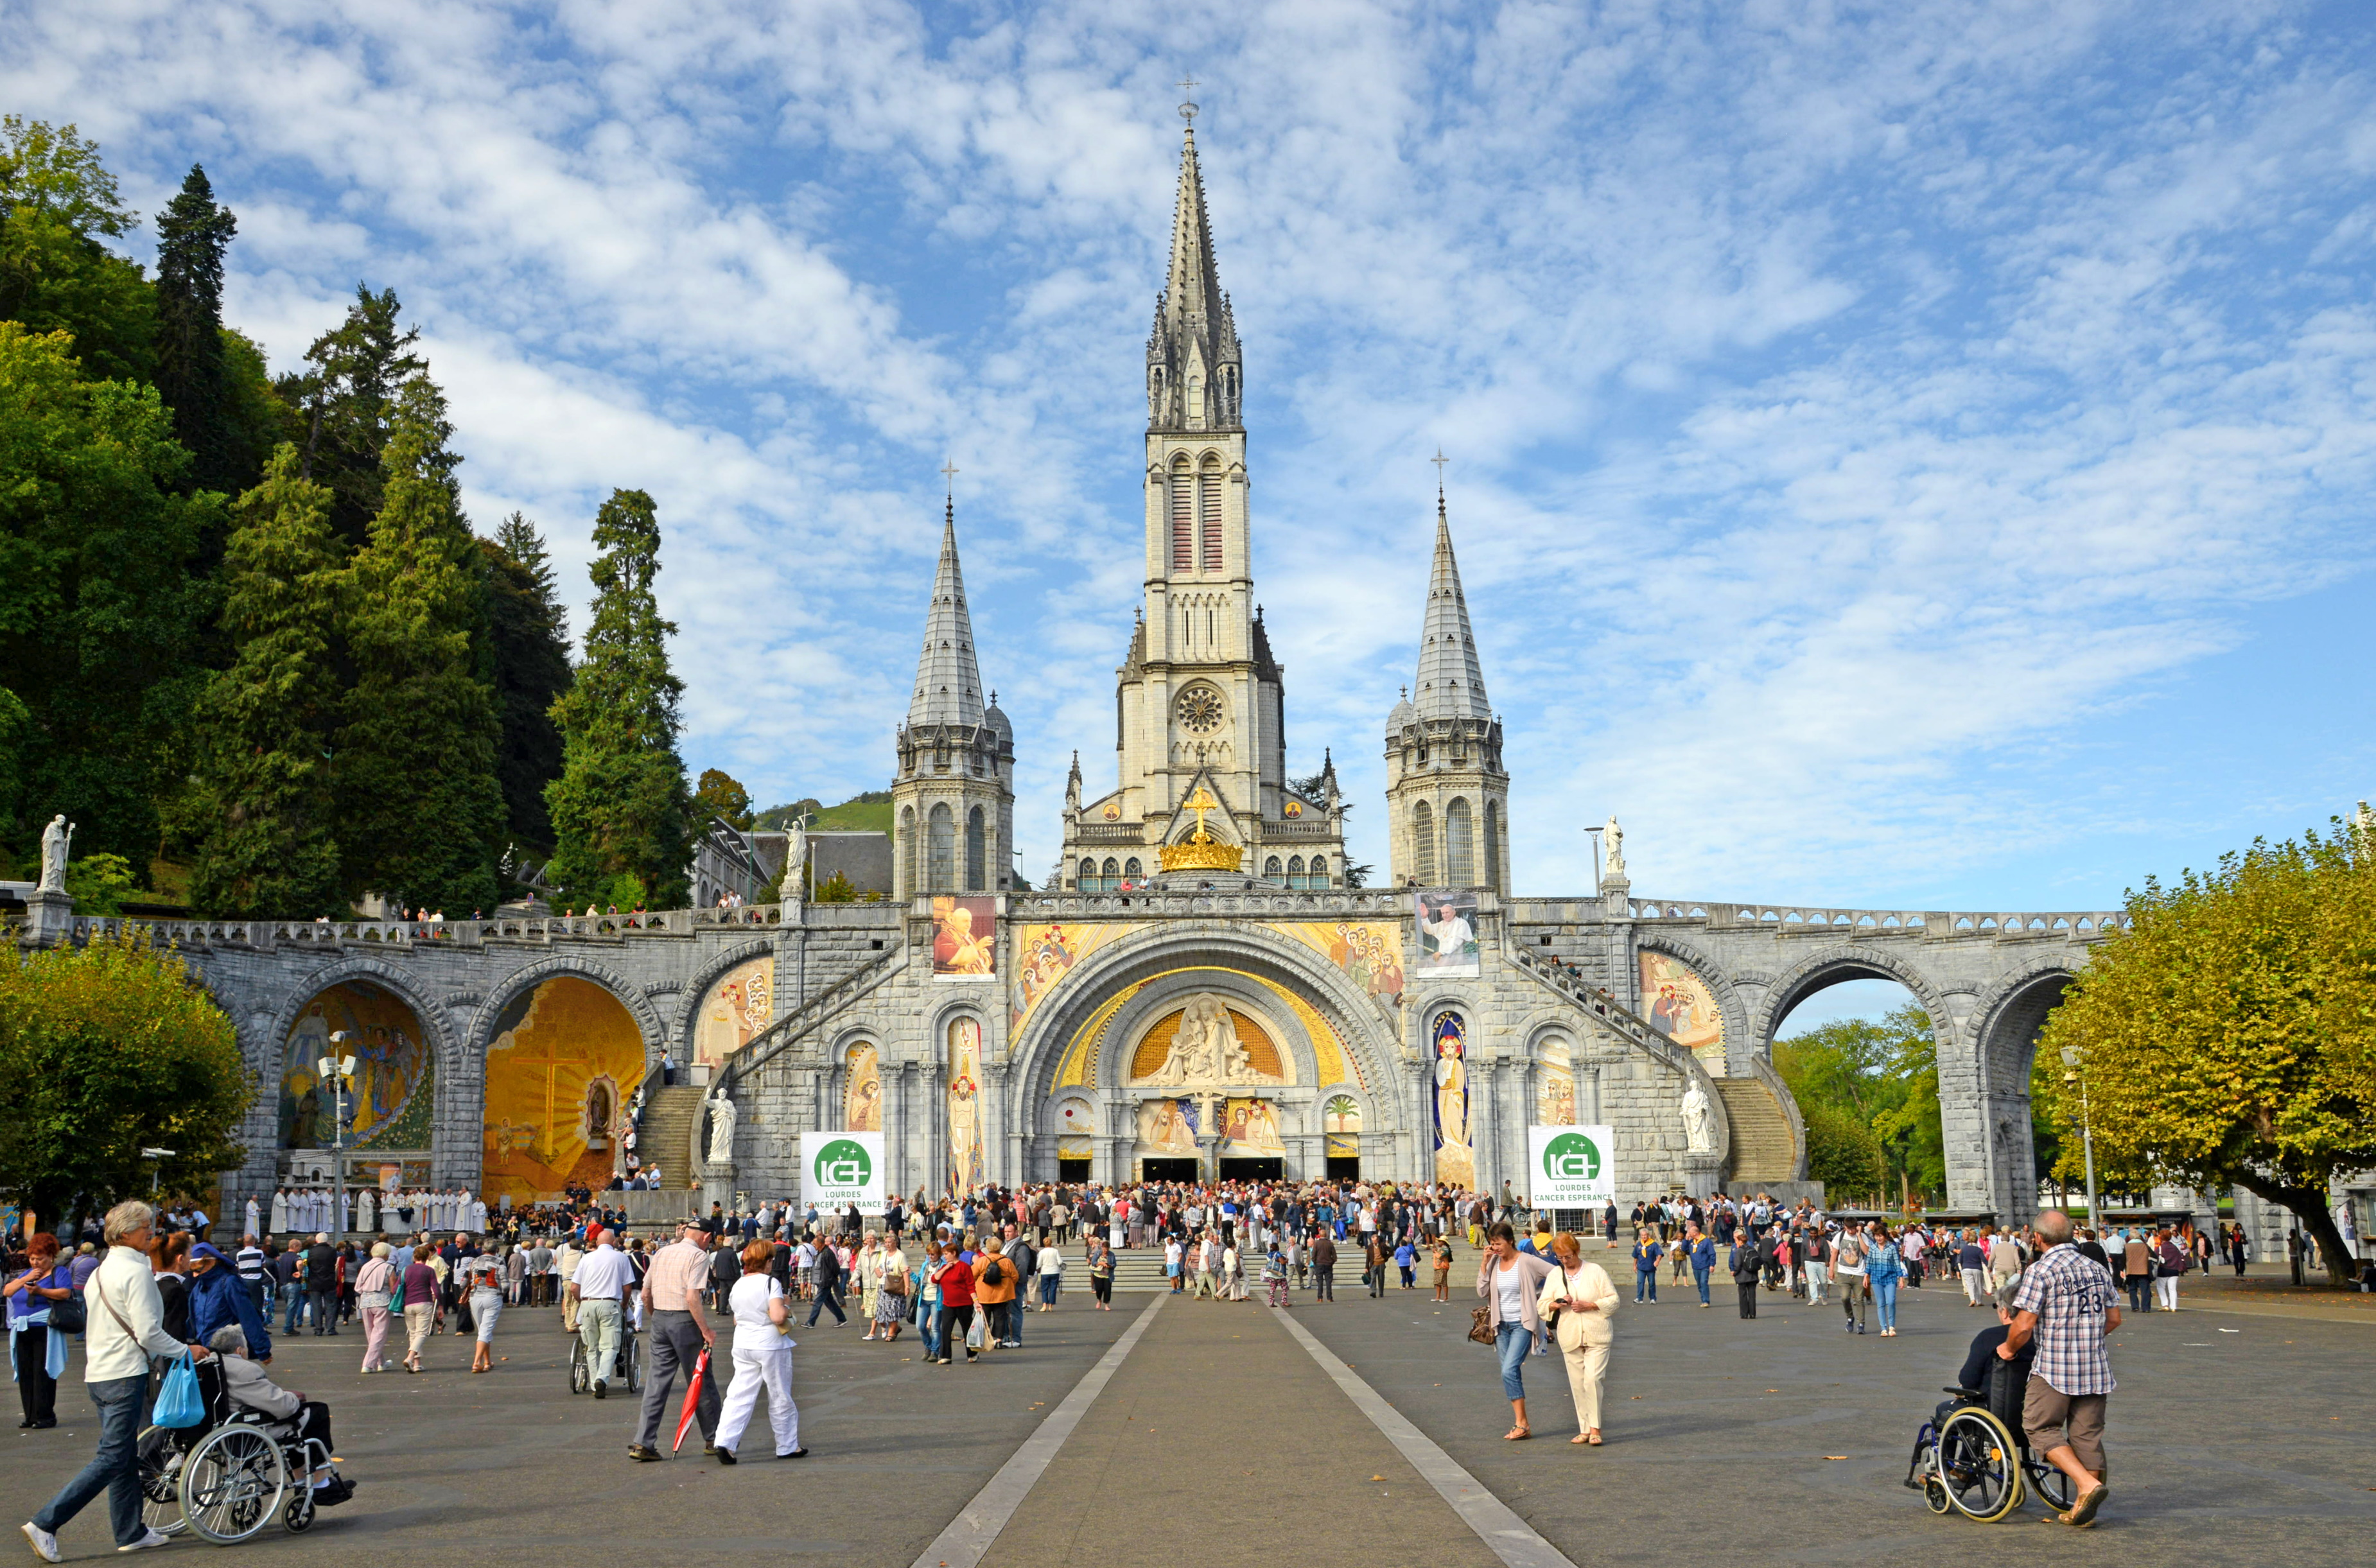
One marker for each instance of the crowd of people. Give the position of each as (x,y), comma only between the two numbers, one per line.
(960,1276)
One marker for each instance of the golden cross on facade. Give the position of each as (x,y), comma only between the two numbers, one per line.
(1200,803)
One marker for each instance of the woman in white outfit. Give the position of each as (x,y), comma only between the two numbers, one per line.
(763,1358)
(1583,1299)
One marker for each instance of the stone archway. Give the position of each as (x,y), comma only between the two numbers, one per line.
(557,1048)
(422,1115)
(1067,1044)
(1834,966)
(1991,1149)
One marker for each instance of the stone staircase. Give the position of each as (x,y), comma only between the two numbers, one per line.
(1762,1146)
(666,1133)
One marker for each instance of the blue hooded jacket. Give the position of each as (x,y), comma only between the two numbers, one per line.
(220,1296)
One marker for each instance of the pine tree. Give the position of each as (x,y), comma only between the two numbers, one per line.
(192,234)
(620,808)
(346,398)
(263,804)
(529,634)
(421,816)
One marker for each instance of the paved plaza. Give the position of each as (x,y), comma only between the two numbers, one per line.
(1220,1437)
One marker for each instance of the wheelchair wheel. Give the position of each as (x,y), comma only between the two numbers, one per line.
(233,1483)
(2053,1487)
(1980,1466)
(631,1352)
(1934,1496)
(298,1514)
(159,1457)
(581,1374)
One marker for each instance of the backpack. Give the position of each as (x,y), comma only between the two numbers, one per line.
(995,1275)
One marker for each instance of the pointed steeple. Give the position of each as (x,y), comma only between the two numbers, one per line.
(1451,682)
(1192,375)
(949,681)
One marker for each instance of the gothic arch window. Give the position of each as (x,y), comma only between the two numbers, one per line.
(1111,879)
(941,849)
(1087,880)
(1271,869)
(1131,869)
(908,850)
(1183,518)
(1318,872)
(1494,846)
(1295,871)
(1459,847)
(1196,402)
(976,881)
(1208,514)
(1423,844)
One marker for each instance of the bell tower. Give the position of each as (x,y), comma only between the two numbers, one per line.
(1447,795)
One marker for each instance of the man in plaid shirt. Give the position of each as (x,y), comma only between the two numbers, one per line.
(2067,1302)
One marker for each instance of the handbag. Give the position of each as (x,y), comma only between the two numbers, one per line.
(69,1316)
(179,1403)
(1480,1326)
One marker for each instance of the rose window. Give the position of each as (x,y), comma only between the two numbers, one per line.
(1200,710)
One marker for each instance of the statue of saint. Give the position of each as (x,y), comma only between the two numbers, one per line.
(723,1116)
(55,840)
(1614,837)
(796,858)
(1696,1120)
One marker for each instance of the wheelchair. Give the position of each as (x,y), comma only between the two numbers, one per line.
(230,1476)
(631,1363)
(1972,1457)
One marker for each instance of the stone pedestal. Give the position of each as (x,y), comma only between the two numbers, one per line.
(49,916)
(717,1187)
(1700,1173)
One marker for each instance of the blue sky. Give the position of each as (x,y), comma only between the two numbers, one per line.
(1904,454)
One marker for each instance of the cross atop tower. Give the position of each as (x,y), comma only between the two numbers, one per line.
(949,472)
(1439,461)
(1187,105)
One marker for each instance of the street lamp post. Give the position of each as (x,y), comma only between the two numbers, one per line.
(156,1176)
(2071,1057)
(334,1071)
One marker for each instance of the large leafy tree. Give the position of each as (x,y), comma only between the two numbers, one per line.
(620,808)
(58,208)
(345,400)
(2227,1033)
(98,609)
(193,373)
(719,793)
(105,1049)
(529,626)
(421,814)
(263,807)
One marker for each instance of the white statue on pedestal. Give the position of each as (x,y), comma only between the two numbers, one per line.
(723,1116)
(796,857)
(1695,1120)
(55,839)
(1614,837)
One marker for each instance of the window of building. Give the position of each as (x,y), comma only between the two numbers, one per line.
(1271,869)
(1494,846)
(907,851)
(1295,871)
(975,853)
(1208,512)
(1129,870)
(1423,844)
(1459,847)
(941,850)
(1183,518)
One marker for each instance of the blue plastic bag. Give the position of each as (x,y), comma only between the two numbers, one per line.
(179,1403)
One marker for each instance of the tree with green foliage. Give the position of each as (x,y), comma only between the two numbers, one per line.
(58,204)
(263,809)
(420,815)
(2226,1032)
(101,883)
(192,234)
(98,609)
(529,626)
(621,806)
(105,1049)
(719,793)
(1869,1093)
(347,402)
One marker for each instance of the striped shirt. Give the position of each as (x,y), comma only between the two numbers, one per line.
(678,1274)
(2070,1292)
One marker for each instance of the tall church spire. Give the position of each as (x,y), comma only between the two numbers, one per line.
(949,681)
(1193,369)
(1451,682)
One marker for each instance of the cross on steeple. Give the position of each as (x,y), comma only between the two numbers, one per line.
(1439,461)
(949,472)
(1188,105)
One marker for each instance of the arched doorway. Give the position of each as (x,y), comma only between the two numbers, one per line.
(1858,1051)
(2020,1154)
(564,1051)
(386,1113)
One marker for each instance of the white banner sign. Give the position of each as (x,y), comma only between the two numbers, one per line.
(1571,1167)
(841,1169)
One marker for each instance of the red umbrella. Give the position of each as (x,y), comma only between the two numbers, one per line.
(692,1398)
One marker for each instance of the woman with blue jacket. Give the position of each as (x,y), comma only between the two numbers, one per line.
(1885,1267)
(218,1296)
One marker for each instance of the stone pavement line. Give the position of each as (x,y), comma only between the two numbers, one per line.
(971,1533)
(1508,1537)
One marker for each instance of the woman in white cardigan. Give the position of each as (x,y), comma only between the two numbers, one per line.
(1583,1298)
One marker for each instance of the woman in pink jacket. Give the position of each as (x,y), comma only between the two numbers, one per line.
(1510,1280)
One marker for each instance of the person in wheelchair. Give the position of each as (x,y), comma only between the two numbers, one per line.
(295,1418)
(1981,1360)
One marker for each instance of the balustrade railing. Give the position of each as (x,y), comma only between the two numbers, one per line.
(2076,924)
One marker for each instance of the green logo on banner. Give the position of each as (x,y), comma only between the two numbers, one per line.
(1570,1157)
(843,1163)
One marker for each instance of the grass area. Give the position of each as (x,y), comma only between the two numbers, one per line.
(860,815)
